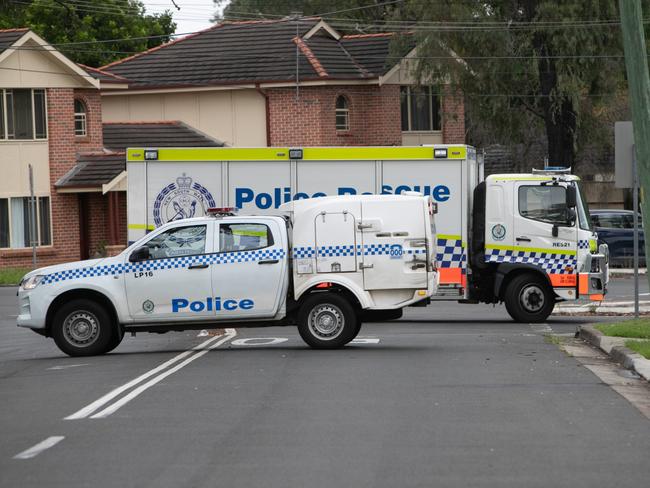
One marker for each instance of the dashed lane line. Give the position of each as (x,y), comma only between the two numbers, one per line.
(193,353)
(40,447)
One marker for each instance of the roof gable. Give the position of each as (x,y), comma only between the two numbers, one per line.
(35,62)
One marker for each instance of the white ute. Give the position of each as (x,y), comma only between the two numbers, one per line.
(320,266)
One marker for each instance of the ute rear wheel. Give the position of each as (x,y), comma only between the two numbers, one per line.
(83,327)
(327,321)
(529,298)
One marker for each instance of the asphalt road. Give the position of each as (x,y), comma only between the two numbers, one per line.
(451,395)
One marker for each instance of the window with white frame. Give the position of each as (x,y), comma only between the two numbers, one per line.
(23,114)
(16,222)
(79,118)
(342,113)
(420,107)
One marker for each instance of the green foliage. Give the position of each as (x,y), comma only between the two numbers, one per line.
(60,22)
(639,328)
(642,347)
(346,9)
(12,276)
(527,62)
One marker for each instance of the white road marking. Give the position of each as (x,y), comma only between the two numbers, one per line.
(66,366)
(259,341)
(89,409)
(40,447)
(230,333)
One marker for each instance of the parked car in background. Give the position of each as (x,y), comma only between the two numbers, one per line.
(616,229)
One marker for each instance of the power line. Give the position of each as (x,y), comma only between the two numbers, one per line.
(344,88)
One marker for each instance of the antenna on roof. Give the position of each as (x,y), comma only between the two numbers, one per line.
(296,16)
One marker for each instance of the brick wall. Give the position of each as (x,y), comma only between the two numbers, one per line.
(310,120)
(453,116)
(93,140)
(375,117)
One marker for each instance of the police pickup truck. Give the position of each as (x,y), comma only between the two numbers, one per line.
(319,266)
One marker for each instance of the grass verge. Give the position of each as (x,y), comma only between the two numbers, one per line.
(642,347)
(12,276)
(638,328)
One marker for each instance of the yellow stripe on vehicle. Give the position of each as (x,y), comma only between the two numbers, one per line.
(564,251)
(200,154)
(141,227)
(379,153)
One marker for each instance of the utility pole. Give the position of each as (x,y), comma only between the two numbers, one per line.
(32,219)
(636,62)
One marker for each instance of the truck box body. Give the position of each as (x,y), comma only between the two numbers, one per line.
(167,184)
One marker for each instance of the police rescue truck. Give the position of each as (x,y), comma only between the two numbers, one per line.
(522,239)
(321,265)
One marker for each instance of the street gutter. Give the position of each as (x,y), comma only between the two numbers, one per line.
(615,348)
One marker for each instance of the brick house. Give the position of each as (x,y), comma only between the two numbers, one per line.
(286,83)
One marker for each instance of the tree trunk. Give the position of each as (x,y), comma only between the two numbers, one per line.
(560,118)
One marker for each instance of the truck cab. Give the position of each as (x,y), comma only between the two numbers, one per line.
(533,244)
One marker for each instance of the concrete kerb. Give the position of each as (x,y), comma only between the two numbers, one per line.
(615,348)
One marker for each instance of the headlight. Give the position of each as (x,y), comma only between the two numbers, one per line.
(32,282)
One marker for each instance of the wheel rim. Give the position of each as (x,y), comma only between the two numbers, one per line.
(81,328)
(532,298)
(326,321)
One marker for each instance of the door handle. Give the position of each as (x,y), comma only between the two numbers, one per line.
(198,266)
(523,238)
(269,261)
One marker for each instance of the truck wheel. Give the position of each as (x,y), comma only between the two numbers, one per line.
(528,298)
(83,327)
(327,321)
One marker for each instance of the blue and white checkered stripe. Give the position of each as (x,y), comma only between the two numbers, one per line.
(552,263)
(163,264)
(450,253)
(583,244)
(343,250)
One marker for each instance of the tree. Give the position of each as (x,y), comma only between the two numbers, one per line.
(376,11)
(59,22)
(521,61)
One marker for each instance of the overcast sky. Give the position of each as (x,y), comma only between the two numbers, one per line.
(193,14)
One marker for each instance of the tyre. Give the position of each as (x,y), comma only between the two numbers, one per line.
(83,327)
(118,335)
(529,298)
(327,321)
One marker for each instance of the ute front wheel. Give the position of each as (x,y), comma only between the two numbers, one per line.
(327,321)
(83,327)
(529,298)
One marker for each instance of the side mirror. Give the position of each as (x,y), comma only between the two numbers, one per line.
(571,197)
(140,254)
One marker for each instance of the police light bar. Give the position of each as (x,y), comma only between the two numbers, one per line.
(221,211)
(553,170)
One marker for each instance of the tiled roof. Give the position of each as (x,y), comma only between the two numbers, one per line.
(120,135)
(95,169)
(9,36)
(256,51)
(103,76)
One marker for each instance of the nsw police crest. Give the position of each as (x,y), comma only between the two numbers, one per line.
(183,199)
